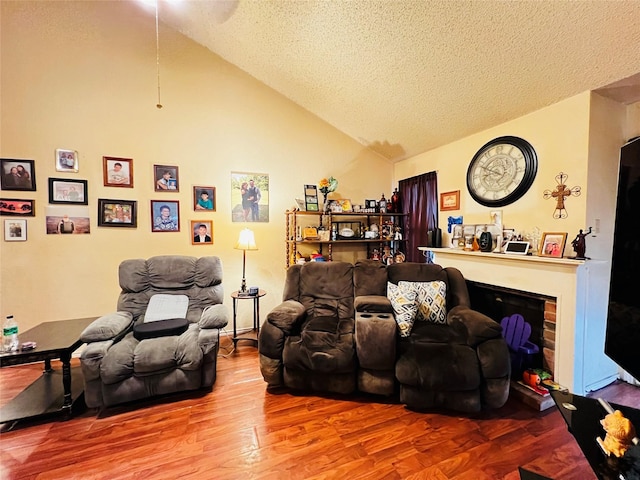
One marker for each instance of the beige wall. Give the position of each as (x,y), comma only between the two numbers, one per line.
(82,75)
(558,133)
(580,136)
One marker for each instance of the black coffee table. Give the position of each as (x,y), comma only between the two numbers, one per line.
(583,416)
(53,392)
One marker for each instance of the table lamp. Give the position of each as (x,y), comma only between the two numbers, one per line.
(246,241)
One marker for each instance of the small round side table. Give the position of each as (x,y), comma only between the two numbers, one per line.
(237,296)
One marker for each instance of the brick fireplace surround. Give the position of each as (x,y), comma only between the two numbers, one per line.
(575,308)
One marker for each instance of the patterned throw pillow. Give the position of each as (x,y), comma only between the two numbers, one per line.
(403,301)
(431,298)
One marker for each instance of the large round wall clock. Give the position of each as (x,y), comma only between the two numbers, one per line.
(502,171)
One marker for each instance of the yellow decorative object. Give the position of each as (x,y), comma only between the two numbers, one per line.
(620,433)
(310,233)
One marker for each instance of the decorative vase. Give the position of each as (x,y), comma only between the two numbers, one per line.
(325,203)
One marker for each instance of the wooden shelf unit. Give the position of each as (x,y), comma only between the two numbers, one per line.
(292,223)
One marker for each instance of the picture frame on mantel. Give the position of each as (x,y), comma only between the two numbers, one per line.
(552,244)
(450,201)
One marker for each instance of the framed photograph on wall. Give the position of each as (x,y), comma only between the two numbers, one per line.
(165,216)
(17,174)
(552,244)
(117,213)
(117,172)
(14,207)
(450,201)
(201,232)
(204,198)
(62,190)
(15,230)
(66,160)
(249,197)
(166,178)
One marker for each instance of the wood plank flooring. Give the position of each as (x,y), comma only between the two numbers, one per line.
(241,431)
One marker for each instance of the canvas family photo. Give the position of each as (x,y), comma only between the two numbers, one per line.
(250,197)
(65,220)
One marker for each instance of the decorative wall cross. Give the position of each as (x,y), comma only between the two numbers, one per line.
(560,193)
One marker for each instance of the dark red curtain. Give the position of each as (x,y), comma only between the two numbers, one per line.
(420,201)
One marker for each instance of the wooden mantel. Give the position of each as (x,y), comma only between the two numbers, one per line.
(581,291)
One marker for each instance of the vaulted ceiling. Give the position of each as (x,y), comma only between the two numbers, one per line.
(405,76)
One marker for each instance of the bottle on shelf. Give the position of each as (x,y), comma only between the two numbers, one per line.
(382,204)
(10,342)
(395,199)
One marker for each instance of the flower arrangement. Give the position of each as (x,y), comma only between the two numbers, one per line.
(328,185)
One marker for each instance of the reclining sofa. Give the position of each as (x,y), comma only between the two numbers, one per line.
(405,329)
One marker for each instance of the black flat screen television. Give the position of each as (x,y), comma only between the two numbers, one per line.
(622,341)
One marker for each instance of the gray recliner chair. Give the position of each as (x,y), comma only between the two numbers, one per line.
(118,367)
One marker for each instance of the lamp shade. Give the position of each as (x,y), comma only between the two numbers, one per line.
(246,240)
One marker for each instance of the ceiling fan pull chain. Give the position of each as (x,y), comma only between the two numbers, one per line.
(159,104)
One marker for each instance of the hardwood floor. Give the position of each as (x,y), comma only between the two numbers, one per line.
(241,431)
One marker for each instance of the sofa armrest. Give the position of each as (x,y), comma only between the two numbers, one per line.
(375,339)
(286,315)
(91,358)
(372,303)
(479,328)
(208,339)
(108,327)
(214,316)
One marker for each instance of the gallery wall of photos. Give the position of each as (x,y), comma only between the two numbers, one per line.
(67,211)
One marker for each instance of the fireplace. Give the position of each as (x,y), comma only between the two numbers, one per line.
(575,295)
(539,310)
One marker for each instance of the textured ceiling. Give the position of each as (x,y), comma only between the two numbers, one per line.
(406,76)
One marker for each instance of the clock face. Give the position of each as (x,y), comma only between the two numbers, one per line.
(502,171)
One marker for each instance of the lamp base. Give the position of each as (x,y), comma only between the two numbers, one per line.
(243,285)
